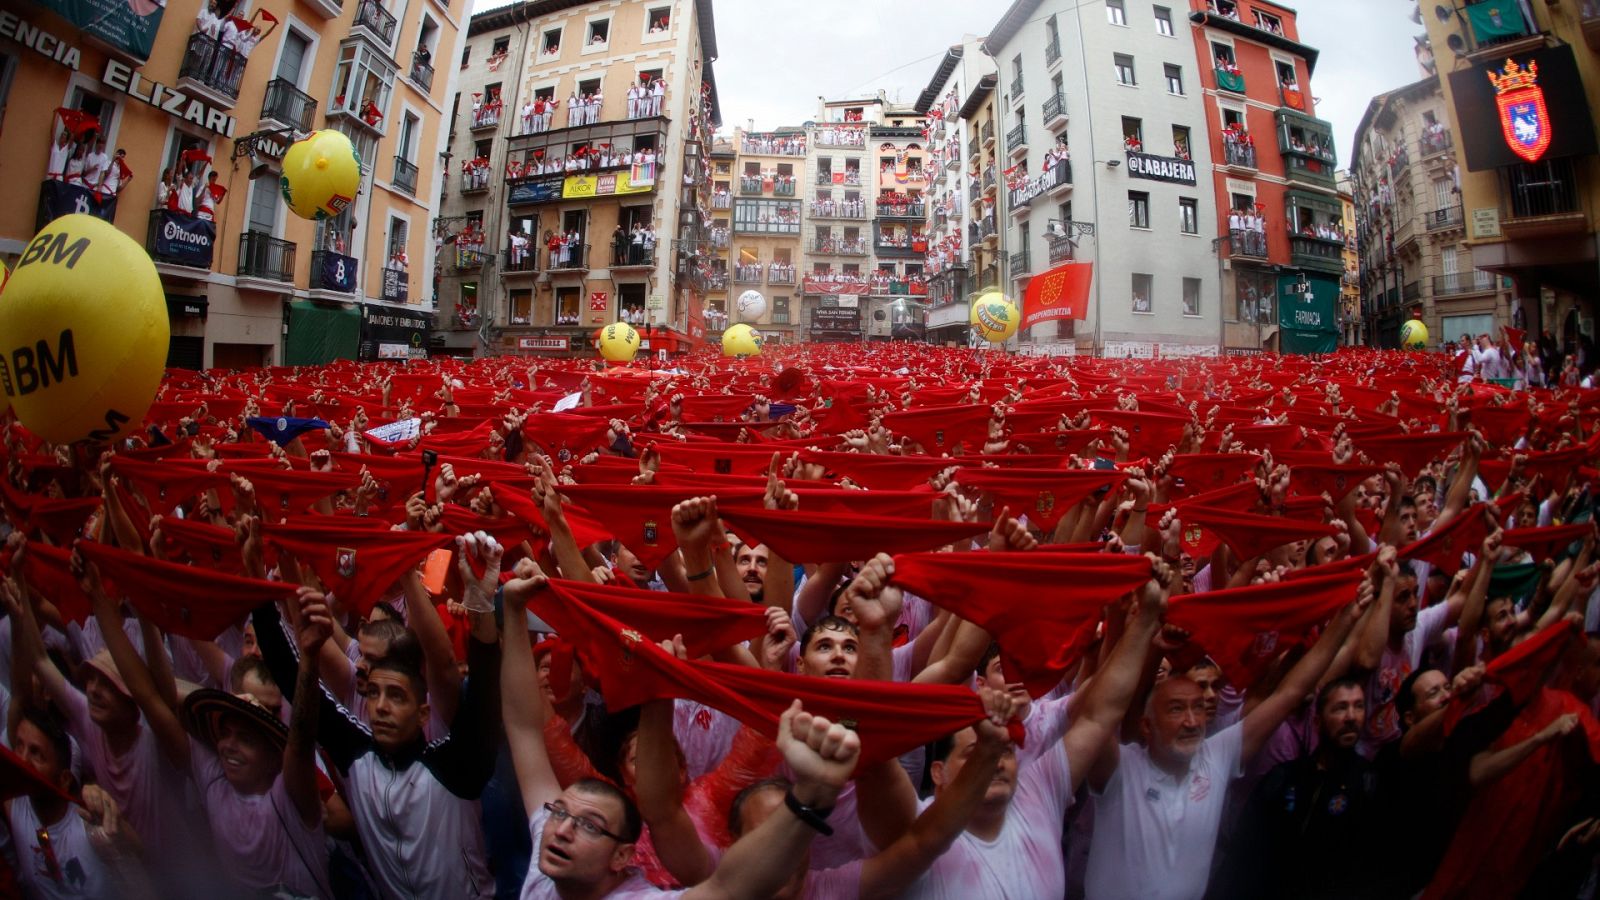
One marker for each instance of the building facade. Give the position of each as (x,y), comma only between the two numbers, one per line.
(1530,182)
(1415,257)
(1350,323)
(768,181)
(214,103)
(1280,227)
(1100,104)
(593,121)
(963,82)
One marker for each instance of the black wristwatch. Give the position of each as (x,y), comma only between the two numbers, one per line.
(816,818)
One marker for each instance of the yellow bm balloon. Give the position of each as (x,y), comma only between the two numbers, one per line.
(321,175)
(741,340)
(619,342)
(995,318)
(83,332)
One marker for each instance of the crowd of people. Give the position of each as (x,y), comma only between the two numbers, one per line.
(774,144)
(832,135)
(848,208)
(82,161)
(1247,228)
(836,622)
(645,98)
(475,173)
(183,191)
(633,246)
(567,249)
(536,113)
(220,59)
(1238,146)
(486,112)
(767,180)
(584,158)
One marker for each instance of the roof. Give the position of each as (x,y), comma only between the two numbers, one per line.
(980,92)
(930,93)
(1380,105)
(1008,26)
(1251,33)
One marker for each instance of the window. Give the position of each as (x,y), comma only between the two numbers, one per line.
(551,45)
(1016,77)
(588,86)
(469,296)
(1164,21)
(1222,53)
(1174,75)
(1189,215)
(466,55)
(599,33)
(1191,296)
(521,307)
(399,233)
(1052,48)
(658,21)
(406,147)
(1132,133)
(1286,76)
(1142,287)
(264,205)
(361,83)
(1181,148)
(1124,64)
(1116,12)
(1255,291)
(567,312)
(291,60)
(780,310)
(1232,118)
(1138,209)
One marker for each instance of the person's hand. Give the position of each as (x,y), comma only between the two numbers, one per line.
(445,483)
(316,623)
(416,511)
(1558,729)
(526,578)
(106,831)
(1387,565)
(1009,533)
(999,707)
(1467,681)
(821,754)
(1153,595)
(875,602)
(478,590)
(321,461)
(694,522)
(780,637)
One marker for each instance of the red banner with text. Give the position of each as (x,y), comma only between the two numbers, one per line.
(1061,293)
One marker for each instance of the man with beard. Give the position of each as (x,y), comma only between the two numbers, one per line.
(1309,817)
(751,560)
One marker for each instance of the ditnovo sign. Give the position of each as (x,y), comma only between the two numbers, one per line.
(118,76)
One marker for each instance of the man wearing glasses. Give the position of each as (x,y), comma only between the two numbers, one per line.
(584,836)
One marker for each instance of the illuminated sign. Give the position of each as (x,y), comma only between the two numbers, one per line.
(1522,108)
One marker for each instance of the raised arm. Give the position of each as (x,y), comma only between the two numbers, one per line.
(1259,723)
(1091,740)
(1489,765)
(1466,649)
(523,707)
(162,718)
(659,791)
(300,753)
(908,856)
(877,605)
(1455,502)
(563,546)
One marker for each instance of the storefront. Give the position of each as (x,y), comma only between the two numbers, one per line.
(1308,313)
(393,334)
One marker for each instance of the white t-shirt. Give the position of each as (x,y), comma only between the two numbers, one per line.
(537,886)
(705,735)
(260,838)
(1025,860)
(78,871)
(1154,834)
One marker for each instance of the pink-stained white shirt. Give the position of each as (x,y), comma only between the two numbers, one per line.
(705,735)
(261,840)
(1025,860)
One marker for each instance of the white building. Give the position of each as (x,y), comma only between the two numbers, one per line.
(1115,83)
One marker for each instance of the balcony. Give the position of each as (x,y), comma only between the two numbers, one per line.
(210,71)
(1017,140)
(747,274)
(634,256)
(1497,30)
(1435,142)
(1308,169)
(722,201)
(328,9)
(1316,253)
(176,239)
(916,211)
(1544,200)
(333,272)
(909,247)
(774,144)
(475,180)
(571,261)
(988,179)
(288,106)
(1052,53)
(422,74)
(840,246)
(1062,250)
(1247,245)
(749,186)
(1055,111)
(1457,284)
(472,258)
(1411,292)
(265,263)
(986,229)
(1442,219)
(838,209)
(1020,265)
(988,134)
(780,274)
(1229,80)
(405,175)
(487,115)
(520,260)
(377,21)
(1238,153)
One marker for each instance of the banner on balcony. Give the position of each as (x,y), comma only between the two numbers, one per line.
(606,185)
(542,190)
(1495,20)
(1161,168)
(338,272)
(1522,108)
(57,198)
(1061,293)
(128,25)
(183,239)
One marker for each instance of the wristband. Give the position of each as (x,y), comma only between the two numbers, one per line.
(698,576)
(816,819)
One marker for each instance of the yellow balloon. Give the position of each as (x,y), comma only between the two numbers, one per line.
(740,341)
(5,275)
(321,175)
(83,332)
(619,342)
(1413,335)
(994,317)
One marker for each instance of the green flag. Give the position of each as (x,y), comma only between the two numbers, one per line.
(1515,581)
(1495,20)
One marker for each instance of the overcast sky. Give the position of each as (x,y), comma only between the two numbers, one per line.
(777,56)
